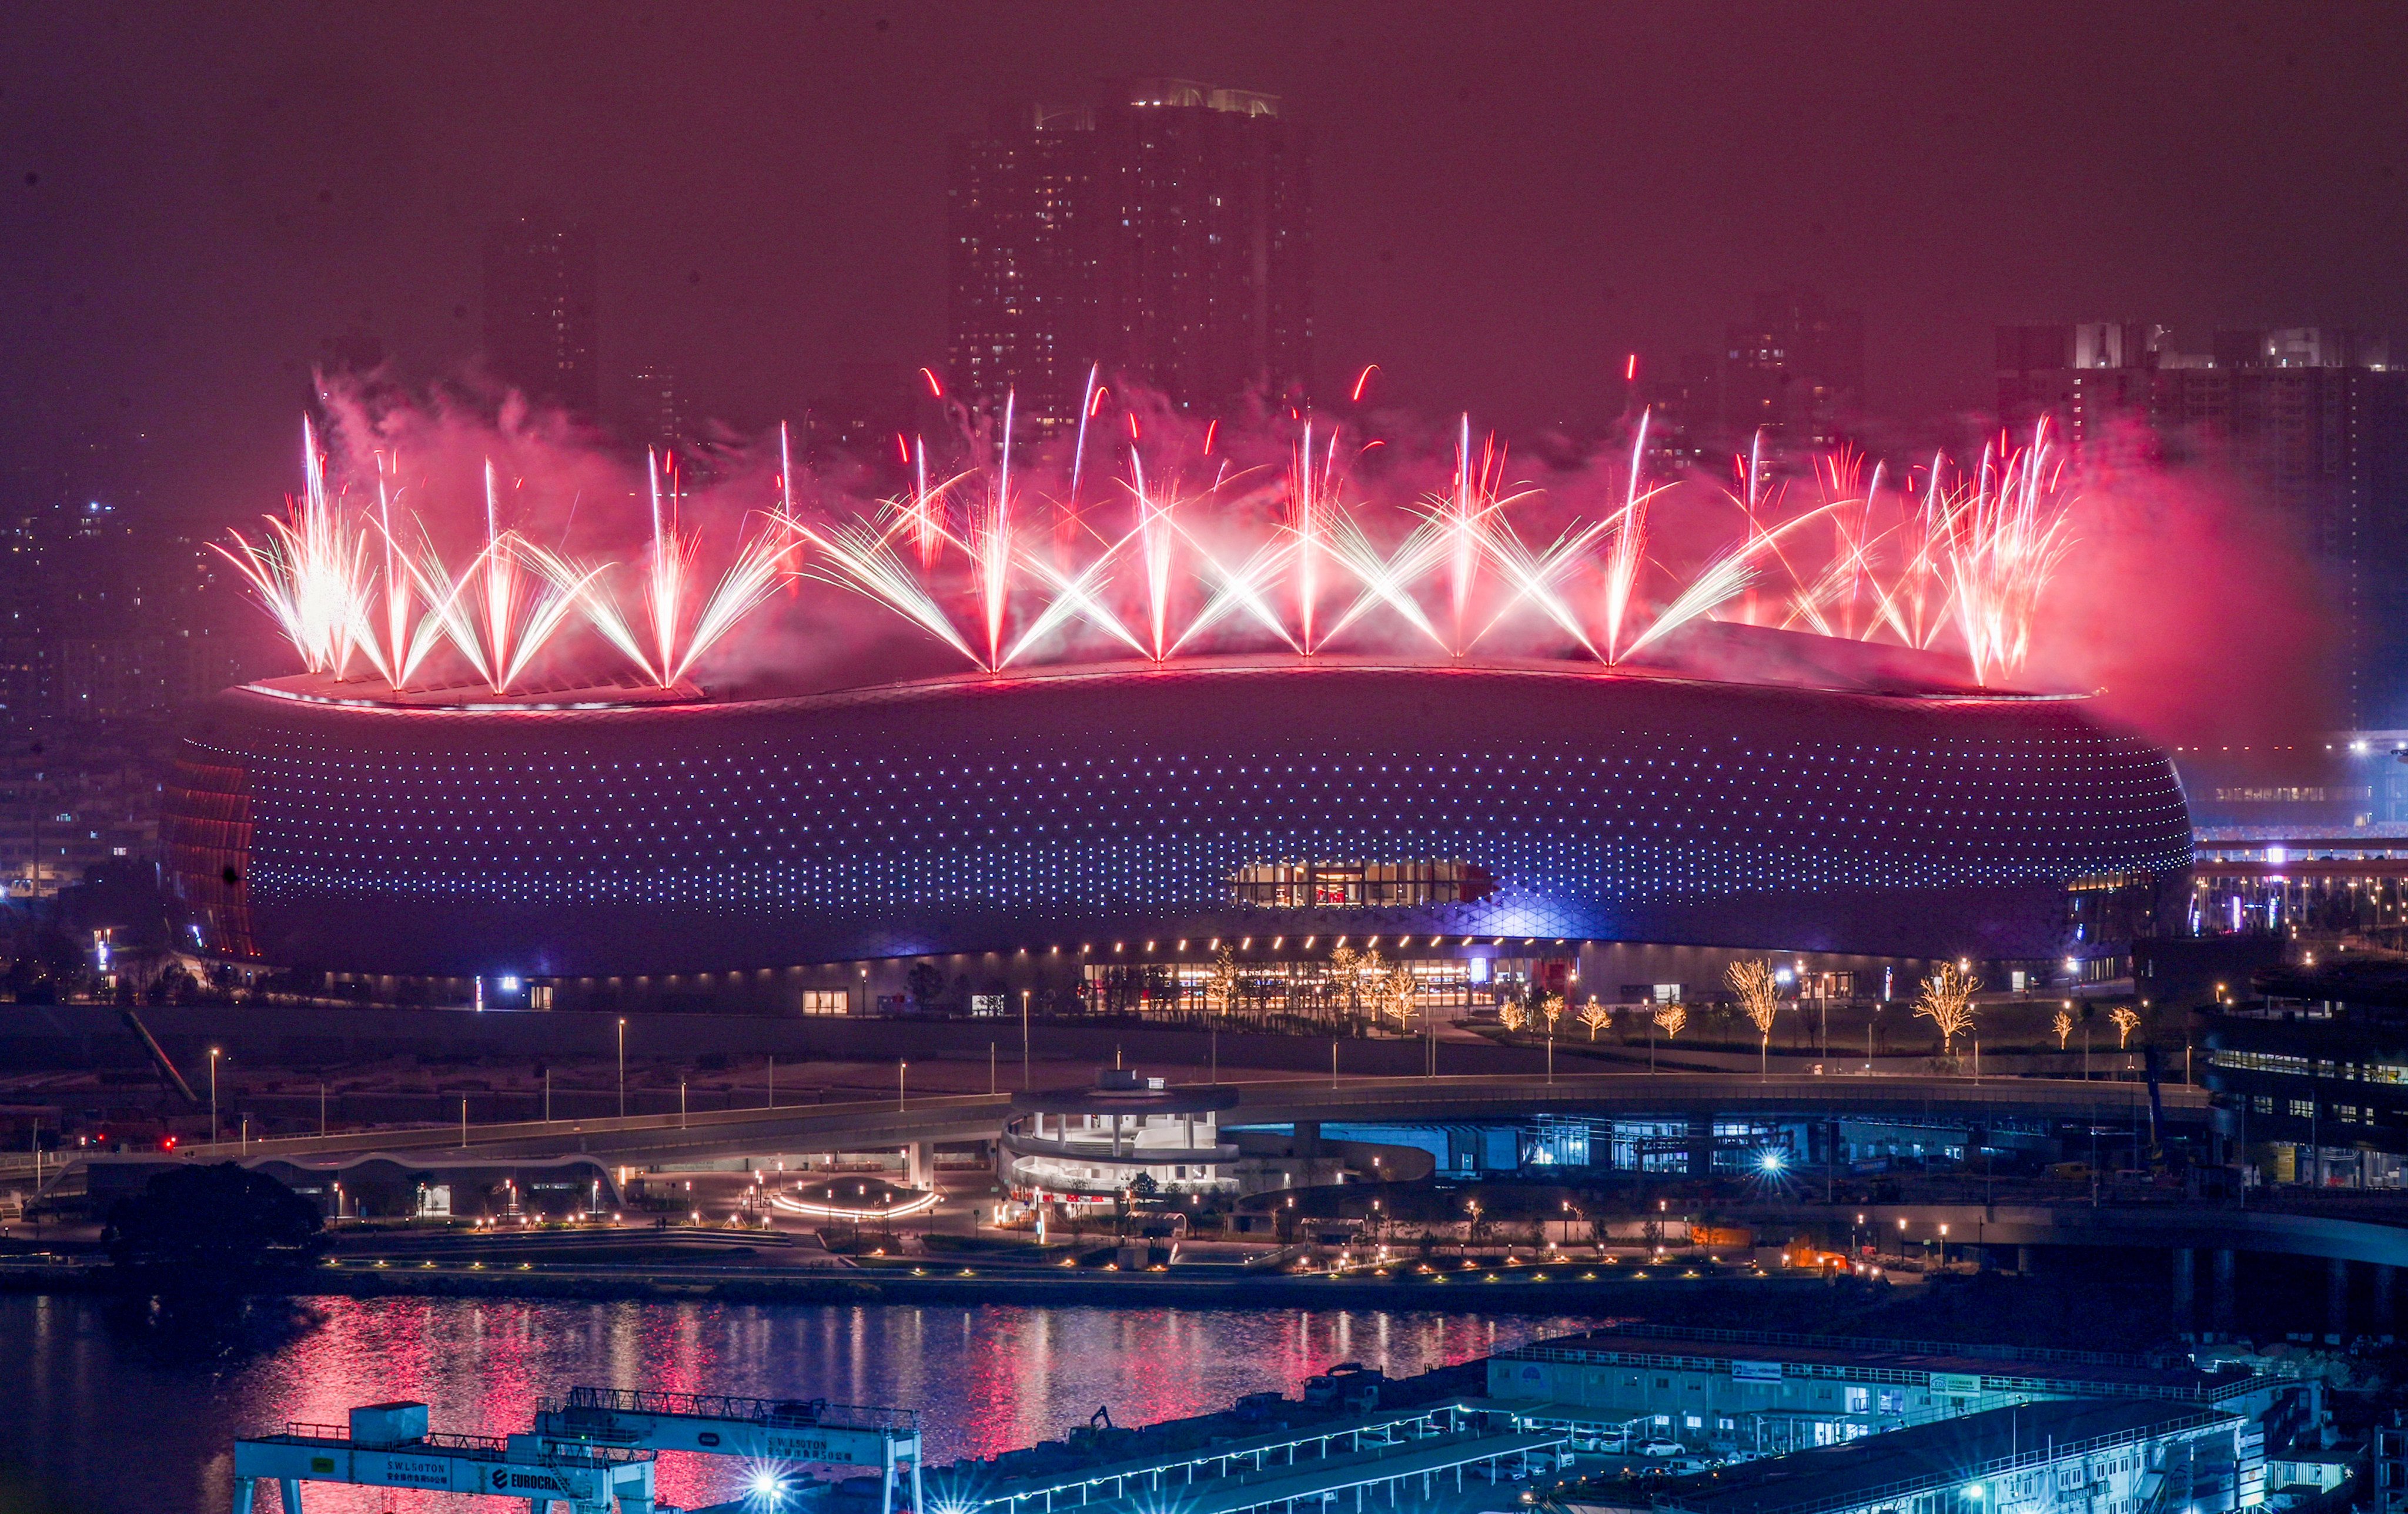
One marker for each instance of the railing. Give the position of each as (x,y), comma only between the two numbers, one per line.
(299,1430)
(476,1447)
(1863,1343)
(780,1412)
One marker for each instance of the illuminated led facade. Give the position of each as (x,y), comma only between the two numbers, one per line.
(1086,810)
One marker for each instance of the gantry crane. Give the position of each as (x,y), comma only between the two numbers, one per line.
(802,1430)
(388,1445)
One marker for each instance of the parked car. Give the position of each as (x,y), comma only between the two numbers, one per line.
(1661,1447)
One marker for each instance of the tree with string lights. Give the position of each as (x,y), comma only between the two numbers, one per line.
(1759,995)
(1947,1001)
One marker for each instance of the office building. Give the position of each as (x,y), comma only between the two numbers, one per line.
(2311,1079)
(2313,418)
(656,410)
(1796,372)
(1161,235)
(1683,404)
(541,311)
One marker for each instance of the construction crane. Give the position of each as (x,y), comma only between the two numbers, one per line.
(388,1445)
(806,1431)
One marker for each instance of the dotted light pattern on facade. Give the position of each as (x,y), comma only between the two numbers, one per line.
(1073,809)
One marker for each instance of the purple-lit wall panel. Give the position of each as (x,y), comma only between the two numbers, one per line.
(974,815)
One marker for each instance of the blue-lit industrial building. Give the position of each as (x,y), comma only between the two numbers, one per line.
(1115,831)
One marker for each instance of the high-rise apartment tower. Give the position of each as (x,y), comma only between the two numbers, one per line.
(1161,237)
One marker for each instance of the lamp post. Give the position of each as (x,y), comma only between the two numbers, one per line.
(902,1104)
(213,1098)
(623,1067)
(1024,1038)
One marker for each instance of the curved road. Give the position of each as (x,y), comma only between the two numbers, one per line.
(866,1125)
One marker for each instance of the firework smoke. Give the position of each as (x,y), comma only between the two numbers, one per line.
(1255,537)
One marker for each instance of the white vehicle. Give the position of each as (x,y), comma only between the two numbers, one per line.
(1661,1447)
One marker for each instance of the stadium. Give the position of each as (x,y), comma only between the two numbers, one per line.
(1119,830)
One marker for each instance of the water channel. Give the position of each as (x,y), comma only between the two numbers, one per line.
(97,1416)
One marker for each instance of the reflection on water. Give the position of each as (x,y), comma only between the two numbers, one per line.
(109,1426)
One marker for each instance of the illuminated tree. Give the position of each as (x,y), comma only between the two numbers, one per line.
(1221,983)
(1671,1018)
(1760,996)
(1397,993)
(1596,1017)
(1346,975)
(1948,1002)
(1549,1007)
(2126,1019)
(2063,1025)
(1512,1016)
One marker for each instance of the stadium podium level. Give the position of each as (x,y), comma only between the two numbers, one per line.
(1063,824)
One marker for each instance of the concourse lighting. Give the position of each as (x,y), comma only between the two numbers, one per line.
(1771,1161)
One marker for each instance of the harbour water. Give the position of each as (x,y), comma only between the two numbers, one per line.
(99,1417)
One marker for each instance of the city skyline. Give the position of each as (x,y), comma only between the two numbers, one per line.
(792,759)
(756,277)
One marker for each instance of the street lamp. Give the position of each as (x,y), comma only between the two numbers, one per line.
(213,1098)
(623,1067)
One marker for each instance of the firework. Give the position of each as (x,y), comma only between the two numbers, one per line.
(1156,538)
(408,638)
(524,594)
(2003,548)
(1309,496)
(307,570)
(991,547)
(678,635)
(1628,551)
(860,555)
(1463,513)
(1247,586)
(1293,564)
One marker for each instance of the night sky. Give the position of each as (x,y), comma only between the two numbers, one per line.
(198,200)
